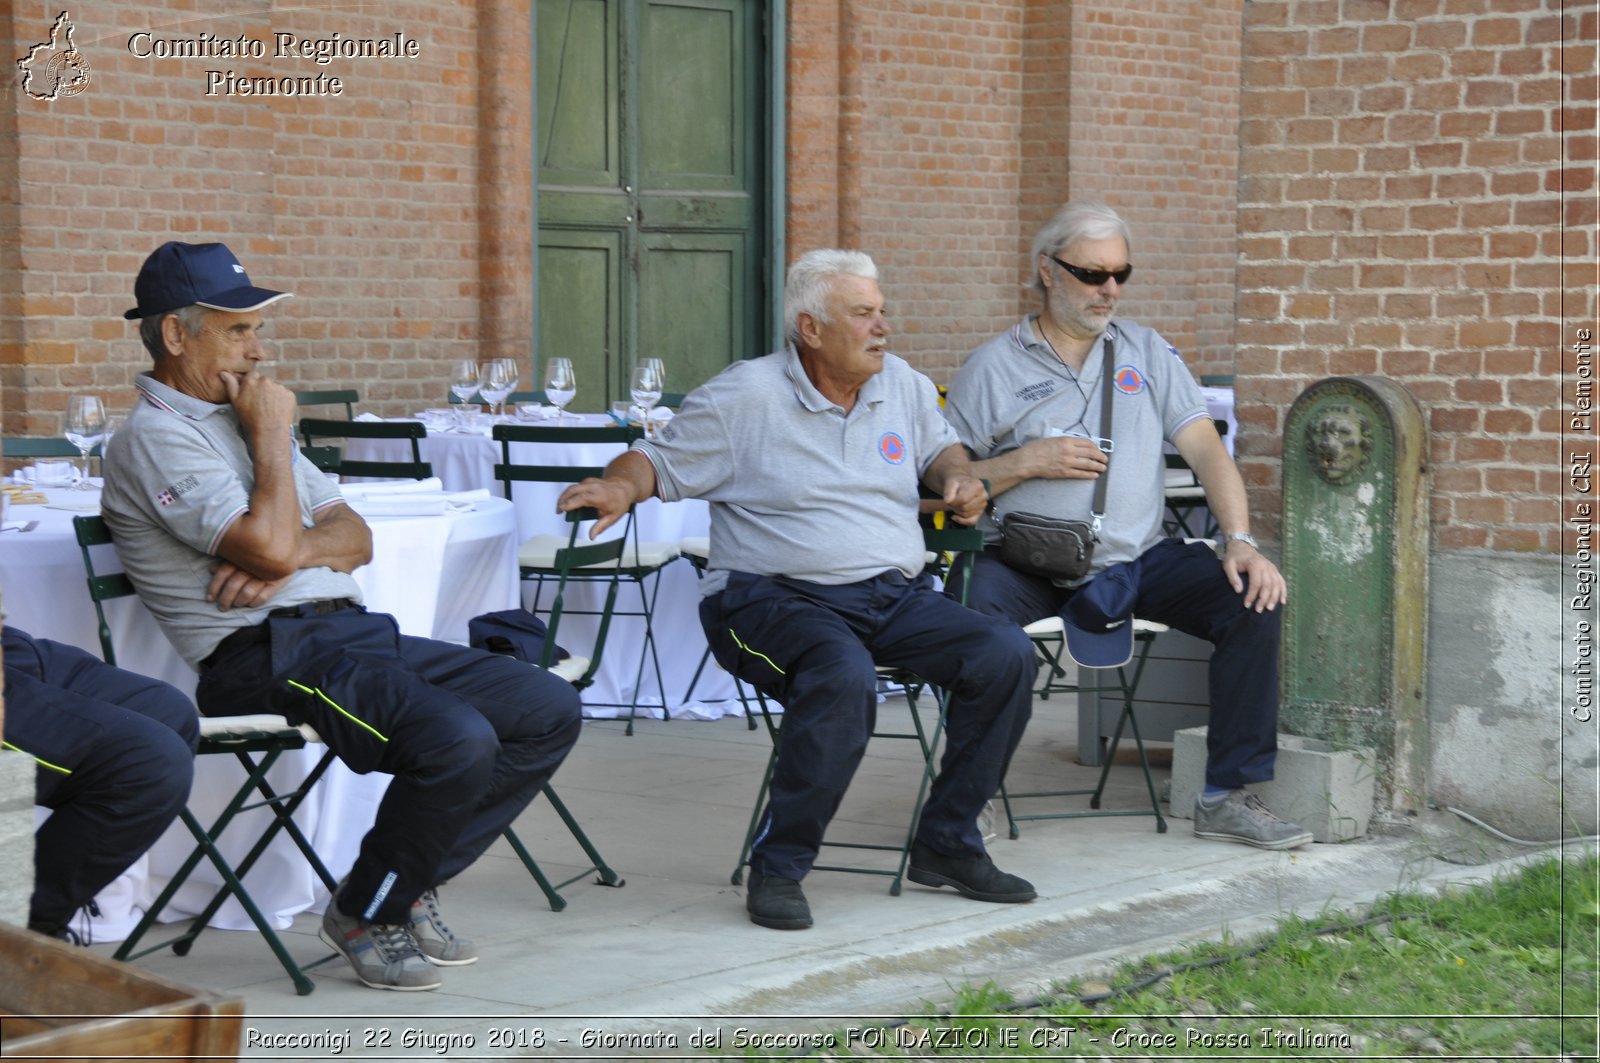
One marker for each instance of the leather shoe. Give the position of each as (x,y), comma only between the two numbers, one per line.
(972,876)
(776,903)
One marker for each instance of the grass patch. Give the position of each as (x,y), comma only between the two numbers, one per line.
(1503,970)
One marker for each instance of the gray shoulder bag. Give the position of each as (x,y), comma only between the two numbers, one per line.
(1056,548)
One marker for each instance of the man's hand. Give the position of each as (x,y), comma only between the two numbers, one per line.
(262,403)
(234,588)
(610,496)
(1267,589)
(965,498)
(1064,458)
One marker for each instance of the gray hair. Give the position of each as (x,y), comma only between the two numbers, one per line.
(190,317)
(1081,219)
(806,289)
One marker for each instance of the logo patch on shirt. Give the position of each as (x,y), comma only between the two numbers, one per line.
(1034,392)
(1128,380)
(892,448)
(173,492)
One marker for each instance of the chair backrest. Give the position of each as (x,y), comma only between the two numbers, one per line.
(36,447)
(954,546)
(92,532)
(314,428)
(348,396)
(509,472)
(585,555)
(672,399)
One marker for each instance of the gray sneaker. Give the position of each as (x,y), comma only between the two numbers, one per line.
(1241,817)
(384,956)
(434,938)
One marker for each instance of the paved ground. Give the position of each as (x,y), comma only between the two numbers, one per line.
(672,951)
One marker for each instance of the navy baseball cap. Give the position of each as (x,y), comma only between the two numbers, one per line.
(1099,617)
(179,275)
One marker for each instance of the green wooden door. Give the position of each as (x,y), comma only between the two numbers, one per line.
(650,229)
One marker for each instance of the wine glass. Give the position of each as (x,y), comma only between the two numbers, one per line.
(498,381)
(560,386)
(86,425)
(463,378)
(645,387)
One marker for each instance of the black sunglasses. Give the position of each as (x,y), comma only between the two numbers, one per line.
(1095,277)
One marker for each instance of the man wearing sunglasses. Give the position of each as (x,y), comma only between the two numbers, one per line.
(1028,403)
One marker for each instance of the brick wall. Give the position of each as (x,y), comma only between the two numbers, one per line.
(940,142)
(369,205)
(1416,175)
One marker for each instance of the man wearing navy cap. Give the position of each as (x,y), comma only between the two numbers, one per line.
(1028,403)
(242,550)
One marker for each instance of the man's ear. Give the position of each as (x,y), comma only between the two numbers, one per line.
(172,335)
(809,328)
(1043,266)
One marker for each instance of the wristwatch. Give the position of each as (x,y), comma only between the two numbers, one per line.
(1241,537)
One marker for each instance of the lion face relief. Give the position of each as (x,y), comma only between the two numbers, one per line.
(1339,442)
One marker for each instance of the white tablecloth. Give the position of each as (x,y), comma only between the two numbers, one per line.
(432,573)
(464,461)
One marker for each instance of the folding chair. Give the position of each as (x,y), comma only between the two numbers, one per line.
(331,459)
(348,397)
(37,447)
(641,563)
(696,549)
(1185,501)
(568,561)
(950,546)
(257,742)
(1050,641)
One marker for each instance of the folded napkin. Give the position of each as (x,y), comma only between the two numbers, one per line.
(27,475)
(368,417)
(416,506)
(430,486)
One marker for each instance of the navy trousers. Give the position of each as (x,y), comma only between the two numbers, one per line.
(115,755)
(1183,586)
(813,647)
(470,737)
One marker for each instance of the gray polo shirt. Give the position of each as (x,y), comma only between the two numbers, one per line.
(178,474)
(1013,390)
(797,487)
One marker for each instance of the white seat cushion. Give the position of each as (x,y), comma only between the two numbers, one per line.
(223,727)
(1052,627)
(695,546)
(571,668)
(540,552)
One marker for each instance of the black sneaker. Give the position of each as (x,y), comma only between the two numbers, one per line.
(776,903)
(971,876)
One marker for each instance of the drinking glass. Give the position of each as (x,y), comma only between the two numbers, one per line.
(560,386)
(645,387)
(499,379)
(86,425)
(463,379)
(659,367)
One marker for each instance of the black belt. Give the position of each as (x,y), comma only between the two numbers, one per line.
(320,607)
(257,633)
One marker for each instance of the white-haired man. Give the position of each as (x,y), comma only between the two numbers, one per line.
(811,459)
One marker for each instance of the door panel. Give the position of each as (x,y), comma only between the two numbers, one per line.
(650,148)
(692,294)
(579,272)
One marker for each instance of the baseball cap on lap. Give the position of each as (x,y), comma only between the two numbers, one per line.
(178,275)
(1099,617)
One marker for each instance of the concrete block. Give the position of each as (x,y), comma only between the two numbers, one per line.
(1326,789)
(16,836)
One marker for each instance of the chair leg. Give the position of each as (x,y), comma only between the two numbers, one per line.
(597,863)
(647,600)
(773,732)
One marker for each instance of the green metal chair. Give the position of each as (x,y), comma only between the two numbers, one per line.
(575,562)
(348,397)
(1050,642)
(950,548)
(331,459)
(257,742)
(641,564)
(37,447)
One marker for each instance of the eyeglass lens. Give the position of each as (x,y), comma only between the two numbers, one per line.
(1095,277)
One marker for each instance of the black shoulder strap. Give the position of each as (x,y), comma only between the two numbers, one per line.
(1106,441)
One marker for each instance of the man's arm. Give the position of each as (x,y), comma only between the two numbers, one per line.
(339,540)
(630,478)
(951,474)
(1202,448)
(1051,458)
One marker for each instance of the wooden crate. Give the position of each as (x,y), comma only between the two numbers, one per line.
(64,1002)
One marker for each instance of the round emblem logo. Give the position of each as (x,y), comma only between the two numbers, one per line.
(892,448)
(1128,380)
